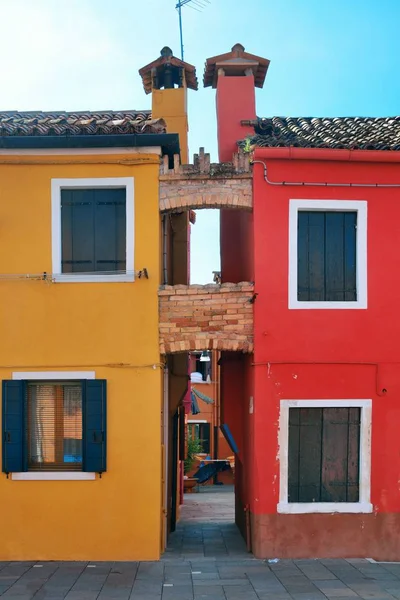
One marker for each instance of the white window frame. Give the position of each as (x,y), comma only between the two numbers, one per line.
(104,183)
(53,475)
(360,206)
(364,504)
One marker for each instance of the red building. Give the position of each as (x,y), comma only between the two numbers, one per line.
(315,411)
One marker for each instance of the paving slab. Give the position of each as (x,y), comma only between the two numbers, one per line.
(206,559)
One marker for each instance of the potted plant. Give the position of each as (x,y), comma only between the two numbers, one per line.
(193,448)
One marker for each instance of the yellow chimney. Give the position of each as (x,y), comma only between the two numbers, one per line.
(168,79)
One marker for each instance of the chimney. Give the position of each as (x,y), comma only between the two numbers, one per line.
(234,75)
(167,79)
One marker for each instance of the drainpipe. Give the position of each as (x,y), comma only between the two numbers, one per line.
(248,527)
(165,246)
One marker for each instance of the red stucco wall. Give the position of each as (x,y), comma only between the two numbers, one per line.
(320,354)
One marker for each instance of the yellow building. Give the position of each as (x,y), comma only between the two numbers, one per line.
(84,461)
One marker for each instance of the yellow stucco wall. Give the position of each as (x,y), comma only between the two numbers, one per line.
(84,326)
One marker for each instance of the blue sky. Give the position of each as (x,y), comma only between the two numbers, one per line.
(328,58)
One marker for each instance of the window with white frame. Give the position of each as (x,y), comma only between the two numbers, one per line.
(54,424)
(92,229)
(325,456)
(327,254)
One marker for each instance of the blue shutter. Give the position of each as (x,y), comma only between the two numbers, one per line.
(94,425)
(13,426)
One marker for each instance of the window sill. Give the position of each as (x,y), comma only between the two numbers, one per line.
(86,278)
(296,304)
(324,507)
(53,476)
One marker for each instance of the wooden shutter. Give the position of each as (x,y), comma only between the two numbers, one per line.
(77,231)
(93,224)
(324,454)
(94,425)
(13,427)
(341,455)
(326,246)
(305,454)
(110,230)
(205,437)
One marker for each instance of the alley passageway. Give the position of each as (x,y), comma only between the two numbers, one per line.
(206,527)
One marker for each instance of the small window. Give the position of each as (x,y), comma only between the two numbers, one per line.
(54,426)
(324,454)
(326,251)
(201,362)
(93,230)
(201,432)
(327,254)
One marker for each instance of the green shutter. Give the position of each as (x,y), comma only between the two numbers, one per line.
(94,394)
(13,427)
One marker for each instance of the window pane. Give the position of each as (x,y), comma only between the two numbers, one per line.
(93,223)
(54,426)
(205,437)
(324,454)
(326,245)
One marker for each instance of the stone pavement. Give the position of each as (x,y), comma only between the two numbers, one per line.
(206,559)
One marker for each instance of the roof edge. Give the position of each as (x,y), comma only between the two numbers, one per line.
(332,154)
(169,142)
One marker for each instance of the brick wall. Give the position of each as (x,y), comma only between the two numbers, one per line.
(206,185)
(205,317)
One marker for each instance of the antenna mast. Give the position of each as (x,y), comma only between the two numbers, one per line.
(196,5)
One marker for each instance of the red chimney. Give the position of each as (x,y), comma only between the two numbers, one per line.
(235,75)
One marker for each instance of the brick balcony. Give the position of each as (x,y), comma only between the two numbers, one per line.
(206,317)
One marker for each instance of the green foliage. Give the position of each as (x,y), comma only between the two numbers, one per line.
(247,148)
(193,448)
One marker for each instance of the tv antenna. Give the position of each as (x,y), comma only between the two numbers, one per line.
(197,5)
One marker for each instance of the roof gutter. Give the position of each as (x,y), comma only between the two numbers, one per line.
(169,142)
(291,153)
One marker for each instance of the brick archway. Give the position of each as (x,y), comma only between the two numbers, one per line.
(206,317)
(205,185)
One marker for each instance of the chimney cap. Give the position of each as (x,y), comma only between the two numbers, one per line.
(167,58)
(237,63)
(238,48)
(166,51)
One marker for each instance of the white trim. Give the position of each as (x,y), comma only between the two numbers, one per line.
(53,375)
(53,476)
(360,206)
(101,182)
(50,475)
(364,505)
(197,421)
(79,151)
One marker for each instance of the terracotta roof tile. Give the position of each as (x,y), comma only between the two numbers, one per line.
(235,62)
(78,123)
(350,133)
